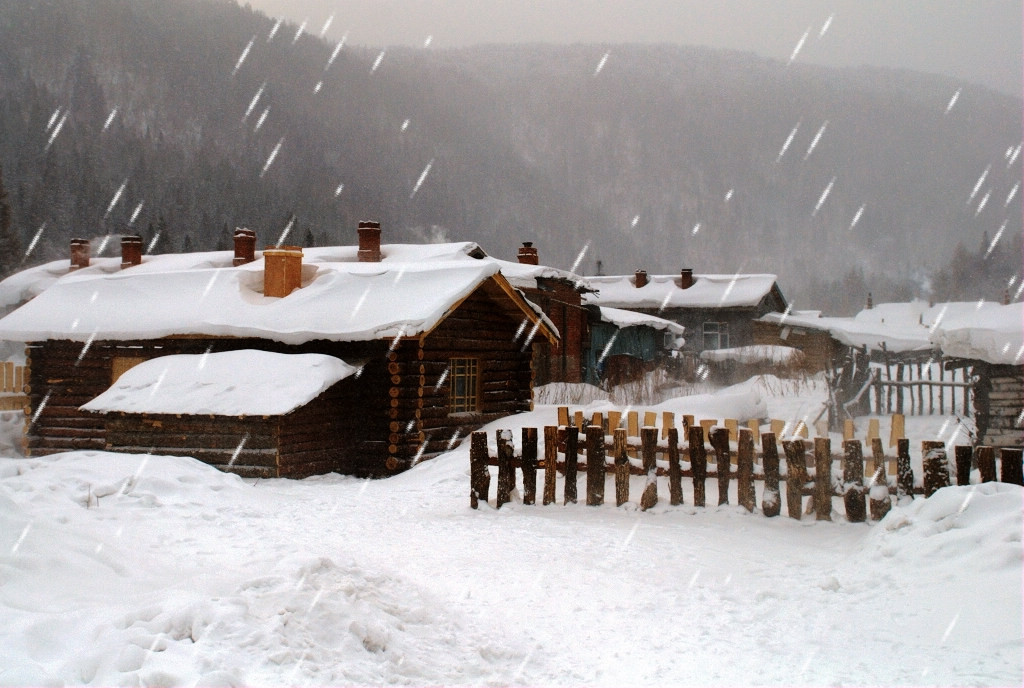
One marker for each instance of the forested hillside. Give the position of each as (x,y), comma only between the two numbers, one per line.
(181,120)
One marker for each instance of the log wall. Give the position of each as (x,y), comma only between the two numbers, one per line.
(999,405)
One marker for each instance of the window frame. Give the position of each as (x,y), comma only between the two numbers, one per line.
(463,384)
(719,331)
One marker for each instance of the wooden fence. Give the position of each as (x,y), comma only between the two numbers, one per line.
(13,379)
(562,455)
(919,389)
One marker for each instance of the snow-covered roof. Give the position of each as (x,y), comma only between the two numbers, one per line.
(230,383)
(994,334)
(623,318)
(407,293)
(755,353)
(525,275)
(663,291)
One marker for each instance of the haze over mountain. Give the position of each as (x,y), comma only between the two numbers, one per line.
(182,120)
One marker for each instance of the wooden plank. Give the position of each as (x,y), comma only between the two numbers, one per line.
(550,462)
(822,479)
(853,482)
(649,441)
(650,419)
(595,465)
(897,429)
(698,462)
(770,502)
(621,467)
(667,423)
(848,430)
(563,416)
(614,420)
(755,429)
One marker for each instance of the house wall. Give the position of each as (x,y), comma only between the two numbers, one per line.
(563,361)
(998,405)
(818,347)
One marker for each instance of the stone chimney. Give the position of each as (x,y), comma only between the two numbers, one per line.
(528,254)
(369,242)
(1006,296)
(282,270)
(641,278)
(245,246)
(686,278)
(131,251)
(871,303)
(79,253)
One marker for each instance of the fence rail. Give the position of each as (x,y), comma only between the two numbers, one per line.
(13,379)
(919,389)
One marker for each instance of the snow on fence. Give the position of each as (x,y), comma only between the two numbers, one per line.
(596,456)
(12,385)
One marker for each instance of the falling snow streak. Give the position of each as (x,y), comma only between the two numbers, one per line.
(696,228)
(327,25)
(334,55)
(209,284)
(785,313)
(338,189)
(579,257)
(42,405)
(298,33)
(238,450)
(56,114)
(952,101)
(824,195)
(35,240)
(423,176)
(453,440)
(397,340)
(405,125)
(245,54)
(270,160)
(426,43)
(441,380)
(56,131)
(600,65)
(529,338)
(21,538)
(255,99)
(856,217)
(1013,158)
(789,140)
(273,31)
(664,303)
(824,27)
(319,85)
(359,303)
(814,142)
(983,203)
(159,383)
(799,46)
(995,240)
(262,119)
(206,354)
(115,199)
(85,348)
(636,219)
(110,119)
(520,330)
(977,185)
(135,216)
(1013,192)
(286,231)
(728,195)
(729,288)
(608,347)
(376,63)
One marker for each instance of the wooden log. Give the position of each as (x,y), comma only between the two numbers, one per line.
(479,477)
(563,416)
(963,455)
(1010,468)
(649,447)
(745,469)
(595,465)
(621,467)
(506,472)
(822,479)
(904,473)
(934,466)
(529,468)
(771,504)
(675,474)
(796,476)
(878,492)
(720,444)
(571,462)
(987,464)
(667,423)
(698,463)
(550,462)
(853,482)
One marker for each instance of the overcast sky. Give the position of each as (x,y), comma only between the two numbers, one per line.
(973,40)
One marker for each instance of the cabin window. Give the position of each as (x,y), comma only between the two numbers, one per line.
(122,364)
(464,376)
(716,335)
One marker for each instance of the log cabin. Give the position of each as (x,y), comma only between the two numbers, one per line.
(442,342)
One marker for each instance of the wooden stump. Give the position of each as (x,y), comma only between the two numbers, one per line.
(648,447)
(698,462)
(745,469)
(720,443)
(853,482)
(506,472)
(595,465)
(904,473)
(675,473)
(771,505)
(571,462)
(529,465)
(550,462)
(621,467)
(796,476)
(987,464)
(963,464)
(880,501)
(1011,469)
(822,479)
(479,477)
(935,467)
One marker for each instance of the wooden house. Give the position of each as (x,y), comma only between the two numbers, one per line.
(624,345)
(443,343)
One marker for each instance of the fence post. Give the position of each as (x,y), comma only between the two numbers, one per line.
(529,465)
(963,464)
(621,467)
(933,463)
(904,473)
(770,503)
(675,473)
(822,479)
(550,462)
(571,460)
(720,443)
(796,476)
(698,462)
(479,477)
(506,472)
(648,448)
(879,490)
(595,465)
(853,482)
(1011,469)
(745,469)
(987,464)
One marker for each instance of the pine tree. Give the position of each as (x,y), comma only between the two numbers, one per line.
(10,246)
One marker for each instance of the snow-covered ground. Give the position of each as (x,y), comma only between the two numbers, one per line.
(121,569)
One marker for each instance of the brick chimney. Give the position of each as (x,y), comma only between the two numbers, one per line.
(79,253)
(369,242)
(641,278)
(131,251)
(686,278)
(871,302)
(282,270)
(245,246)
(528,254)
